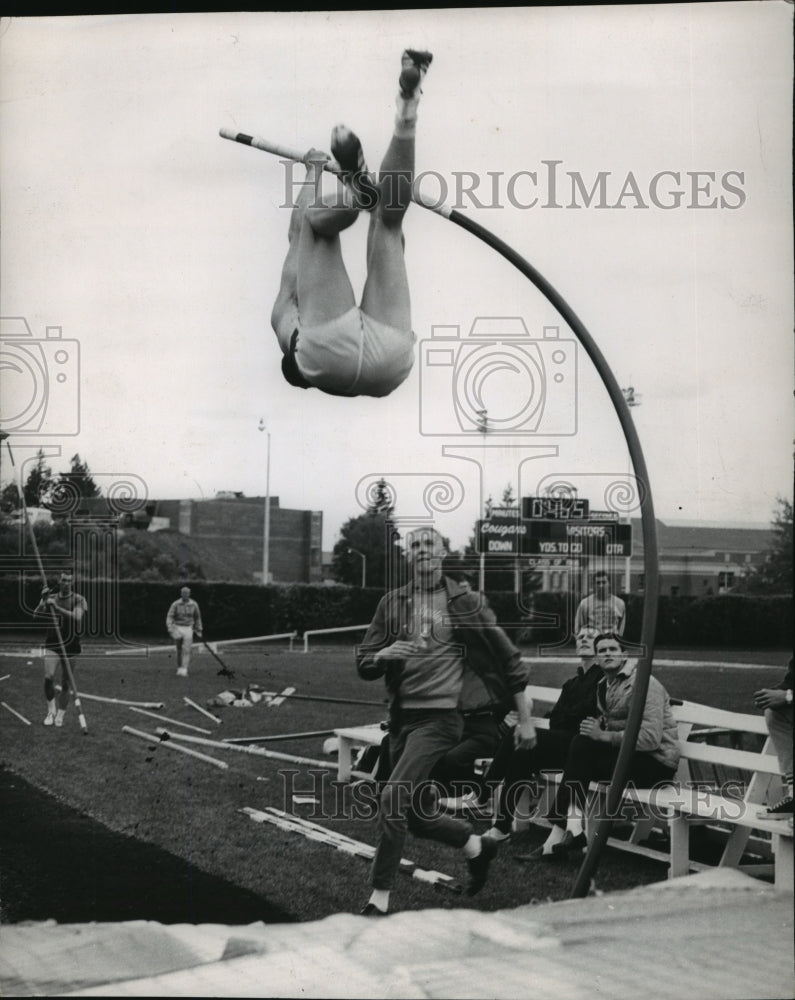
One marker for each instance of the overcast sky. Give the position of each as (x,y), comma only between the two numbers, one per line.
(157,246)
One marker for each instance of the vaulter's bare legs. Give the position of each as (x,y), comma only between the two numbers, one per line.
(315,283)
(314,276)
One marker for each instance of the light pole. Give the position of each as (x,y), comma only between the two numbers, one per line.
(267,538)
(364,565)
(632,399)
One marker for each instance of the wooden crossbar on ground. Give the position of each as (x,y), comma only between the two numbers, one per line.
(202,710)
(222,764)
(341,842)
(243,748)
(277,737)
(165,718)
(13,711)
(118,701)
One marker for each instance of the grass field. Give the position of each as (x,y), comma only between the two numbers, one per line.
(192,809)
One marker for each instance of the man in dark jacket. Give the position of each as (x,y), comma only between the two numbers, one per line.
(516,767)
(421,639)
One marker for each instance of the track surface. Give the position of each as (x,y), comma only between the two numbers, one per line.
(56,863)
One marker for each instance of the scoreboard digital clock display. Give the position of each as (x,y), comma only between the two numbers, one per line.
(555,509)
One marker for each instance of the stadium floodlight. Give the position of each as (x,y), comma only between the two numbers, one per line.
(364,565)
(267,530)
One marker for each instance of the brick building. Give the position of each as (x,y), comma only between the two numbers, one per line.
(698,560)
(238,523)
(694,560)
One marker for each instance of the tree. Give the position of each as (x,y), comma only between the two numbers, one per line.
(508,499)
(38,481)
(79,478)
(774,575)
(369,534)
(9,498)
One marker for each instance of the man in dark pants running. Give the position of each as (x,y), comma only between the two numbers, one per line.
(421,639)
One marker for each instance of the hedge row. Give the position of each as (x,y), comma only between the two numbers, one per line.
(136,609)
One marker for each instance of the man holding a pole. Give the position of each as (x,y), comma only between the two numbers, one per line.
(65,609)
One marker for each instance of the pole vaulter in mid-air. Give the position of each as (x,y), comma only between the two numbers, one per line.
(328,341)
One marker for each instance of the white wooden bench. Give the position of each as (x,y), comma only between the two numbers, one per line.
(693,800)
(353,738)
(690,801)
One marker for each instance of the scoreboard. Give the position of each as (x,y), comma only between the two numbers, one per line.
(556,528)
(577,538)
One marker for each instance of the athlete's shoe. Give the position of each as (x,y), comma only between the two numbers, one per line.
(479,866)
(781,810)
(347,151)
(59,715)
(182,671)
(371,910)
(415,66)
(469,804)
(569,845)
(50,719)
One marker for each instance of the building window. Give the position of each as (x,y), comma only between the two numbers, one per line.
(725,582)
(642,582)
(674,591)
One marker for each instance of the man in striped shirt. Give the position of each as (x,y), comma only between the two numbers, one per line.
(601,610)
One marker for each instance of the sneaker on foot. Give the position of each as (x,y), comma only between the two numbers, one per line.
(50,719)
(496,835)
(569,844)
(346,149)
(59,718)
(479,866)
(415,65)
(451,804)
(537,854)
(782,808)
(371,910)
(182,671)
(469,804)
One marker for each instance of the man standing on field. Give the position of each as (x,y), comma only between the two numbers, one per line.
(183,620)
(601,610)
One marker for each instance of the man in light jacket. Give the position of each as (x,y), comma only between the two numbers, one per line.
(593,752)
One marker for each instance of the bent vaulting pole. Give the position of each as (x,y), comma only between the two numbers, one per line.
(648,527)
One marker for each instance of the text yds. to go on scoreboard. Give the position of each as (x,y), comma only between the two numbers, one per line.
(566,538)
(511,536)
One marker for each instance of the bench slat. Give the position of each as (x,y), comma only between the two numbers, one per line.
(728,757)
